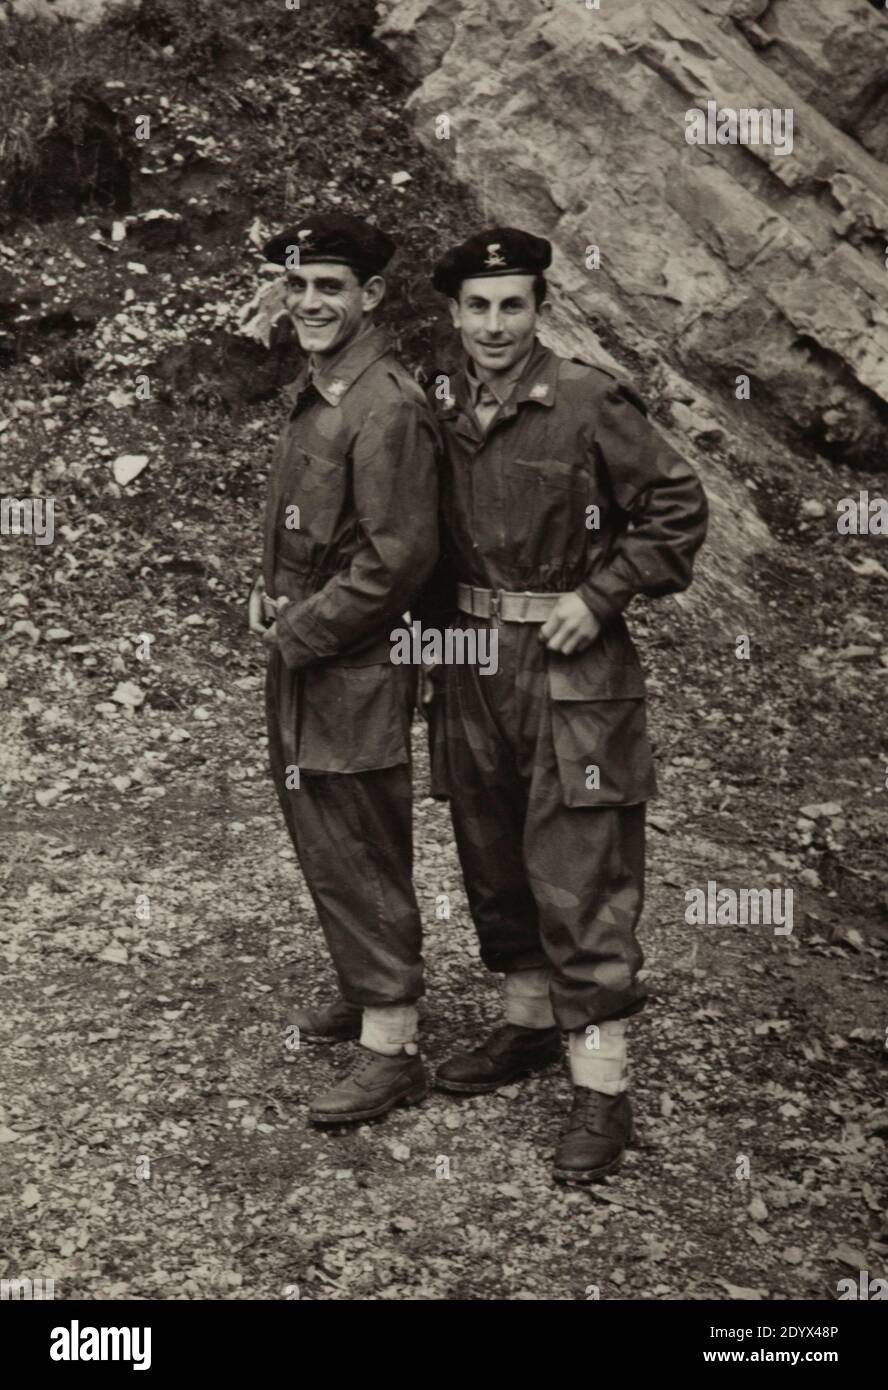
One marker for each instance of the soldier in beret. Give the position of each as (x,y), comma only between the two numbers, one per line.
(560,503)
(350,535)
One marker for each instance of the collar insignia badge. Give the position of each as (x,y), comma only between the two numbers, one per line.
(539,391)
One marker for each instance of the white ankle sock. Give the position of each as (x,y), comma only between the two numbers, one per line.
(598,1056)
(526,998)
(390,1029)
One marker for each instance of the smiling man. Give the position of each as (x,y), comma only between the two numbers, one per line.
(350,535)
(560,503)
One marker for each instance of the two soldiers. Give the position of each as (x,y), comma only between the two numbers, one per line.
(559,503)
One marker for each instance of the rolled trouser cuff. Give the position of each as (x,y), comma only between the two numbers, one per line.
(580,1003)
(526,998)
(391,1029)
(599,1057)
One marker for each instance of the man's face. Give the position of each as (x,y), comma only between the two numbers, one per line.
(496,318)
(328,304)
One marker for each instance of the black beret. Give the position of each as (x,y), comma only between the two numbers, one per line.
(498,251)
(333,236)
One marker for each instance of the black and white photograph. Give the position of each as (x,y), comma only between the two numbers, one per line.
(443,673)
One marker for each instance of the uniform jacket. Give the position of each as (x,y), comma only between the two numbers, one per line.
(571,488)
(358,458)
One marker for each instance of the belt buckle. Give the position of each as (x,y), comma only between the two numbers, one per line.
(495,600)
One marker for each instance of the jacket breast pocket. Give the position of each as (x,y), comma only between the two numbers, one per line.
(311,502)
(599,727)
(545,509)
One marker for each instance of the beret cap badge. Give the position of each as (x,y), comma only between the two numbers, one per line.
(495,251)
(336,237)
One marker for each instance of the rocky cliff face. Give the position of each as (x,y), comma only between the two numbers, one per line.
(717,261)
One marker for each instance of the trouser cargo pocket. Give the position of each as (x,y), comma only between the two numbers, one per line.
(602,750)
(599,732)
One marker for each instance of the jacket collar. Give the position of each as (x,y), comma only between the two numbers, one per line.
(537,384)
(501,388)
(337,374)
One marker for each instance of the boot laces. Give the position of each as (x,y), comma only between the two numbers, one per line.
(587,1108)
(369,1059)
(364,1063)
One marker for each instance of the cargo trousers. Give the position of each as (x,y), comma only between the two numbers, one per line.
(353,836)
(552,879)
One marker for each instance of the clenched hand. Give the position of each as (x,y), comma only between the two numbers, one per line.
(570,627)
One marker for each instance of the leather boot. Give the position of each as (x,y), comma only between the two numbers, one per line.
(375,1085)
(509,1053)
(595,1138)
(337,1022)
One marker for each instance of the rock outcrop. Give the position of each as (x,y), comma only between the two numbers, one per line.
(833,53)
(717,261)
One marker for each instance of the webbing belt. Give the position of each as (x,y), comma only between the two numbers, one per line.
(507,607)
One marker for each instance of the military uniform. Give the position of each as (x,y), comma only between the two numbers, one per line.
(357,457)
(547,762)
